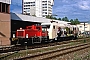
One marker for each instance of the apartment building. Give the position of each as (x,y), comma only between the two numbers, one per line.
(38,8)
(5,22)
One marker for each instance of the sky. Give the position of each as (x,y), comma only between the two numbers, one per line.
(72,9)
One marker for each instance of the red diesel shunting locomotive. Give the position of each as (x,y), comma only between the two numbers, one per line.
(32,34)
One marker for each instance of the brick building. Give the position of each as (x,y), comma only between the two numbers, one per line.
(5,22)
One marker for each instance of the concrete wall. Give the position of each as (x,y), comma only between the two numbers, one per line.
(5,29)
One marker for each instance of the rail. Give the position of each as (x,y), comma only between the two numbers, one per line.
(12,48)
(55,53)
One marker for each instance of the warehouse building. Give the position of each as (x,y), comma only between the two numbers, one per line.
(5,22)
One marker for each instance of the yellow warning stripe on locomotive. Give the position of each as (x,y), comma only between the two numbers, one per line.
(13,39)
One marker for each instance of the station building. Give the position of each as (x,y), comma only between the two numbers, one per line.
(5,22)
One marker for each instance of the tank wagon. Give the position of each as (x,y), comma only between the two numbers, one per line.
(46,32)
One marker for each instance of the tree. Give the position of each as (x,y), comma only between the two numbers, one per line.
(59,18)
(34,15)
(48,16)
(54,18)
(74,22)
(65,19)
(51,17)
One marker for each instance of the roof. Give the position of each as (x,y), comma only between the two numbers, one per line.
(21,17)
(61,22)
(58,24)
(6,1)
(46,23)
(28,18)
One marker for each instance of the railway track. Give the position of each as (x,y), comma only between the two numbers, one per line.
(18,48)
(55,53)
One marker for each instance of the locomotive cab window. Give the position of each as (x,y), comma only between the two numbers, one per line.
(44,29)
(53,27)
(48,26)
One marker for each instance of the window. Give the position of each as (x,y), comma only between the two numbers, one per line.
(53,27)
(44,4)
(44,1)
(43,16)
(3,7)
(0,7)
(28,2)
(44,29)
(45,12)
(34,5)
(28,5)
(85,26)
(48,26)
(44,7)
(80,26)
(7,8)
